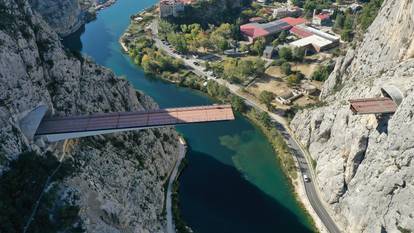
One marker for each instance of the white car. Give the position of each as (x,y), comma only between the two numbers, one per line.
(306,178)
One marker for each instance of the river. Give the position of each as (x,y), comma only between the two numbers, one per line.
(233,182)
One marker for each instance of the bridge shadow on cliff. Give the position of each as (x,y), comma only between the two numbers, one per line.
(214,197)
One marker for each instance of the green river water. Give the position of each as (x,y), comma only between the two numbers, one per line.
(233,182)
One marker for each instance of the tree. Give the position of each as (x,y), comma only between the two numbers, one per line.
(294,79)
(298,54)
(346,34)
(275,43)
(339,21)
(147,65)
(369,13)
(164,28)
(244,48)
(322,73)
(178,41)
(238,104)
(230,70)
(286,68)
(282,37)
(285,53)
(266,98)
(265,119)
(258,66)
(259,46)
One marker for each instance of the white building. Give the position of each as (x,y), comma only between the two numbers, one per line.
(171,8)
(286,12)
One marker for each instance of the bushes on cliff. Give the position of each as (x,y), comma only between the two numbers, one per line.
(369,13)
(22,185)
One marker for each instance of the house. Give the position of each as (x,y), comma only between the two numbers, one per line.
(172,7)
(252,31)
(321,19)
(313,43)
(268,52)
(286,12)
(288,97)
(313,39)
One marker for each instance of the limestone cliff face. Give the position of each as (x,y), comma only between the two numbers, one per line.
(121,176)
(65,16)
(365,166)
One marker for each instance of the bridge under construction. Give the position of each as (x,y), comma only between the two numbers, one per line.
(392,97)
(381,105)
(61,128)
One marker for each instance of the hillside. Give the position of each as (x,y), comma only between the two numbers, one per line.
(66,16)
(364,163)
(118,179)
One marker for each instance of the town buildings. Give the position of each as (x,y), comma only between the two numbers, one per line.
(322,19)
(252,31)
(172,7)
(313,39)
(286,12)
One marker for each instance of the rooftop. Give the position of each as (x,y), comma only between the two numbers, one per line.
(323,16)
(311,40)
(256,30)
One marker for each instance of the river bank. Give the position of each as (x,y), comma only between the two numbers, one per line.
(234,182)
(185,77)
(169,205)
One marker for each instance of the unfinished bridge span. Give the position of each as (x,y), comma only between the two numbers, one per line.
(61,128)
(392,97)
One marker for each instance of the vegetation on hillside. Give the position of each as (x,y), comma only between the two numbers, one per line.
(22,185)
(369,13)
(211,12)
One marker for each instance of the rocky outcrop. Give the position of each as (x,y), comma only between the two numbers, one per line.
(364,163)
(119,179)
(66,16)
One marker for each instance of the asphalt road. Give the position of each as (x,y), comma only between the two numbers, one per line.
(311,192)
(173,176)
(281,125)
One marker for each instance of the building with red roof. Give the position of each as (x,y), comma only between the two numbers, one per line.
(300,32)
(252,31)
(294,21)
(321,19)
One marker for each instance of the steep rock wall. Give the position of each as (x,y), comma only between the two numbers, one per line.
(364,163)
(65,16)
(120,177)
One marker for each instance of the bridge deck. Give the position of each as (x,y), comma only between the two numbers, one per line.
(373,106)
(141,119)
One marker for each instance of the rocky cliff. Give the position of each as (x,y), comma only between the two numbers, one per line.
(119,180)
(365,167)
(66,16)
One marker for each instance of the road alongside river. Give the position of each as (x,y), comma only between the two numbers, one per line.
(233,182)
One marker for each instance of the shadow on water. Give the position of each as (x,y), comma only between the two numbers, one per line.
(73,42)
(229,203)
(232,183)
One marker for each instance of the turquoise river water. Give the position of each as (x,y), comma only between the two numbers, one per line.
(233,183)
